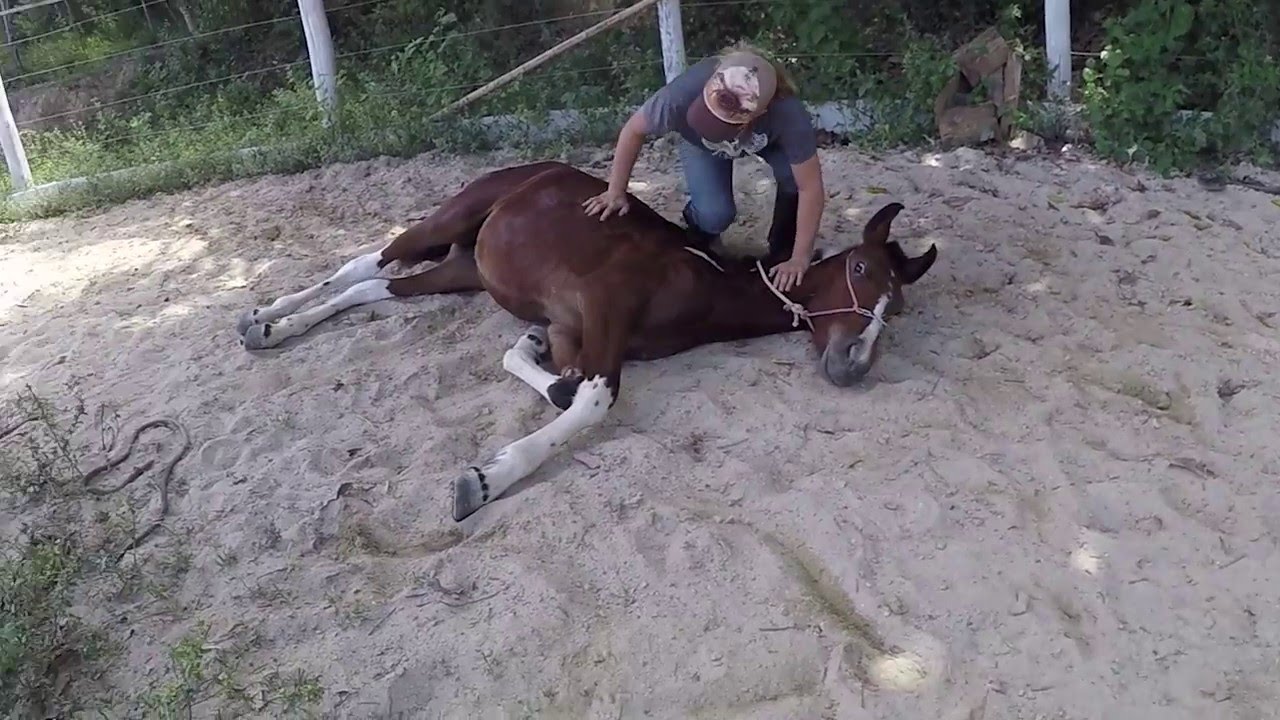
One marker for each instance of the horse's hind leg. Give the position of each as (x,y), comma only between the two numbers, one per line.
(558,343)
(413,246)
(454,223)
(457,273)
(524,360)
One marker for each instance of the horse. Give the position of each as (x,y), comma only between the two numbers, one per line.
(599,293)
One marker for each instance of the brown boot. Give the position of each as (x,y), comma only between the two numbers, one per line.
(782,232)
(698,238)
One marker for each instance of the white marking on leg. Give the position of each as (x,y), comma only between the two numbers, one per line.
(480,486)
(704,256)
(267,335)
(867,339)
(522,361)
(354,271)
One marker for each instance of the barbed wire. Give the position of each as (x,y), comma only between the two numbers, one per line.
(656,62)
(177,41)
(95,18)
(353,53)
(281,66)
(297,18)
(117,139)
(244,74)
(398,93)
(166,91)
(714,3)
(483,31)
(143,6)
(153,46)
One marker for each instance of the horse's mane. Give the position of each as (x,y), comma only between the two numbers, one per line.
(738,264)
(730,264)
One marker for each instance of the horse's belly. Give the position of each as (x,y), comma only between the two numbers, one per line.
(512,287)
(524,308)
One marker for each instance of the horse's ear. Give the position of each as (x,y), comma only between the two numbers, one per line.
(911,269)
(877,230)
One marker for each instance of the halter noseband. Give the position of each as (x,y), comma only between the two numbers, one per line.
(799,312)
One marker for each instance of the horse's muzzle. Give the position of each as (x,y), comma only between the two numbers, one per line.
(844,361)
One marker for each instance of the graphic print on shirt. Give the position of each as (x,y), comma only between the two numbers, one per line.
(737,148)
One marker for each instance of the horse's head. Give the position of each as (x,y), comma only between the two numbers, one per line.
(851,294)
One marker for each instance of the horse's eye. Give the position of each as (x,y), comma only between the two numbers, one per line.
(860,268)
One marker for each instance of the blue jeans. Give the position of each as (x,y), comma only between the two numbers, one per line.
(710,182)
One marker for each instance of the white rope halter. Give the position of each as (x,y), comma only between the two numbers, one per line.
(799,312)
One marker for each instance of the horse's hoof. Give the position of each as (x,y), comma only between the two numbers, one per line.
(258,337)
(470,493)
(537,341)
(562,391)
(246,321)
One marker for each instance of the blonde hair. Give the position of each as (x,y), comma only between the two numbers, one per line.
(786,85)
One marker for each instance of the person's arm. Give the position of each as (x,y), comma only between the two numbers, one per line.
(659,115)
(630,140)
(813,198)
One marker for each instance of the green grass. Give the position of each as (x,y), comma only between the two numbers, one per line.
(40,637)
(51,655)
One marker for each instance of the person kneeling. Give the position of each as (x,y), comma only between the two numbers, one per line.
(723,108)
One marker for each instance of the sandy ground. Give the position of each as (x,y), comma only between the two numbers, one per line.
(1054,498)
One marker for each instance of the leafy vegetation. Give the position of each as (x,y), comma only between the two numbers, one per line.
(192,81)
(1166,56)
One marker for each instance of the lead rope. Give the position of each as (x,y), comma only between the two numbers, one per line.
(798,311)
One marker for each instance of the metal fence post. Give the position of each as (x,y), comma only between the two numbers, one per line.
(1057,46)
(671,29)
(324,68)
(15,155)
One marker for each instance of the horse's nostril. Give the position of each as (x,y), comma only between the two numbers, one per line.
(841,366)
(855,352)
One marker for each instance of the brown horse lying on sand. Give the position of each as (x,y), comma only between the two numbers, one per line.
(601,293)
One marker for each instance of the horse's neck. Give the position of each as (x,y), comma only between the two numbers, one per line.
(745,307)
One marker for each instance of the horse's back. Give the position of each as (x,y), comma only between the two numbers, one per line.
(539,248)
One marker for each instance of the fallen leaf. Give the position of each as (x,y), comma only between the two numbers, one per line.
(1276,202)
(876,190)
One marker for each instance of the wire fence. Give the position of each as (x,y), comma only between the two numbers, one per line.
(167,119)
(178,106)
(18,80)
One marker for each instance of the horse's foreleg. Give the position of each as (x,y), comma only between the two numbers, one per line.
(604,342)
(456,274)
(479,486)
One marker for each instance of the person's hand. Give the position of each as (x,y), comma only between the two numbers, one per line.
(787,275)
(607,203)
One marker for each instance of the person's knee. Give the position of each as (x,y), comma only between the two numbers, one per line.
(714,216)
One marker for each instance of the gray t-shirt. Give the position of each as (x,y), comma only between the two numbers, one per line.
(786,123)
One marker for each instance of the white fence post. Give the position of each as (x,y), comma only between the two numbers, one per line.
(324,68)
(1057,46)
(15,156)
(671,28)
